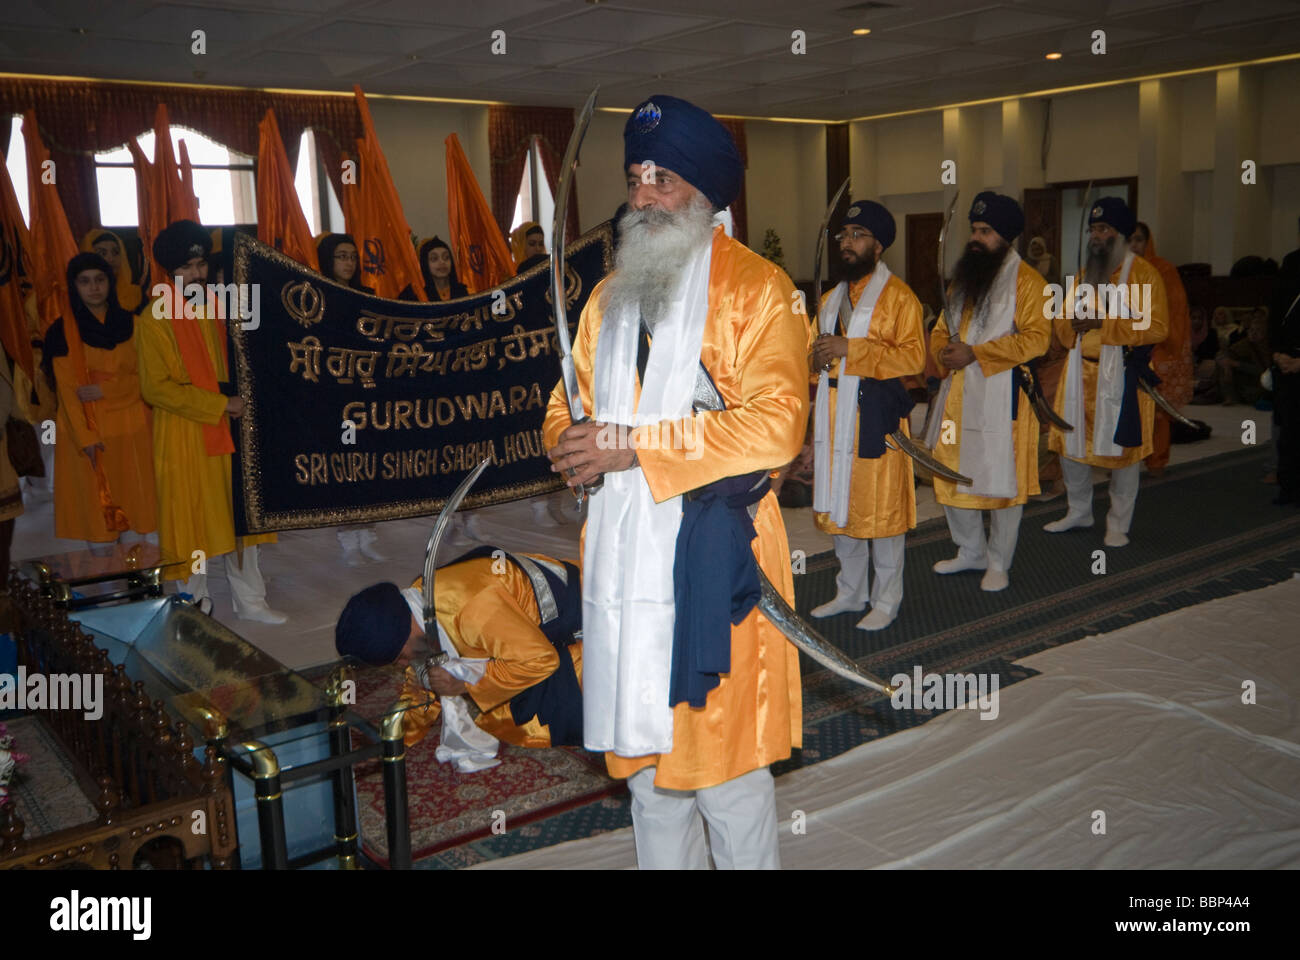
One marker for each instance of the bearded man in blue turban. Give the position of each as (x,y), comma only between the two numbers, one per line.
(690,691)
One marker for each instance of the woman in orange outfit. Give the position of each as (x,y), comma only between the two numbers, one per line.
(102,420)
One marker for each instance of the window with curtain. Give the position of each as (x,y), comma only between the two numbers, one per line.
(223,181)
(16,161)
(535,200)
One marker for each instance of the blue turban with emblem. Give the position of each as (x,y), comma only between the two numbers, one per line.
(374,626)
(1000,212)
(679,136)
(1113,212)
(873,216)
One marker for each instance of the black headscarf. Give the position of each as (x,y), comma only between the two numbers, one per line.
(458,289)
(118,325)
(325,255)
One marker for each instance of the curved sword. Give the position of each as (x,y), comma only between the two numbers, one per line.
(435,537)
(822,244)
(1166,406)
(1042,408)
(953,323)
(807,639)
(569,374)
(898,440)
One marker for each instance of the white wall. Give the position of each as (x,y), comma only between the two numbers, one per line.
(412,136)
(785,187)
(601,178)
(1094,134)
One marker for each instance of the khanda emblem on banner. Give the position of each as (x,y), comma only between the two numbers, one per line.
(572,287)
(375,260)
(303,302)
(477,261)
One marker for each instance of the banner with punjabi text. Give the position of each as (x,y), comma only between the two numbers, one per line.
(361,409)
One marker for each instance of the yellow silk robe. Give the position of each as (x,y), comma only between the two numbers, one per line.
(882,497)
(123,427)
(1029,340)
(754,349)
(492,616)
(1116,331)
(195,508)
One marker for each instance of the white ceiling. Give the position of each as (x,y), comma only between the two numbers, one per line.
(731,56)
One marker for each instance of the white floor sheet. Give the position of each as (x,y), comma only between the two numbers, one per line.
(1146,725)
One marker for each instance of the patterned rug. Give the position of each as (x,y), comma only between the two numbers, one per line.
(449,808)
(45,791)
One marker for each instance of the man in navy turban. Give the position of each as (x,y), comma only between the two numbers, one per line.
(997,303)
(679,659)
(870,334)
(1120,314)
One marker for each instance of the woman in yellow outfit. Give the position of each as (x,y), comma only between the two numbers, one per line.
(102,422)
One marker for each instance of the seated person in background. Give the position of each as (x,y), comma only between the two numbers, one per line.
(340,261)
(439,269)
(1242,363)
(510,625)
(1205,350)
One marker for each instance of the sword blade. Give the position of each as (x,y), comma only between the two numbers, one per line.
(567,371)
(1166,406)
(923,457)
(435,538)
(953,323)
(822,242)
(797,631)
(1046,414)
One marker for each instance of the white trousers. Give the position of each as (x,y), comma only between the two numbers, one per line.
(1123,493)
(246,583)
(967,529)
(855,557)
(669,824)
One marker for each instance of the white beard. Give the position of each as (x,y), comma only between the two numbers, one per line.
(654,249)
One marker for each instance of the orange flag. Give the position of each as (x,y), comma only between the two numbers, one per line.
(374,217)
(52,248)
(52,242)
(280,221)
(15,275)
(164,190)
(483,260)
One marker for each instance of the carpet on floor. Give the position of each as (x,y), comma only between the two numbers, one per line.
(448,808)
(45,791)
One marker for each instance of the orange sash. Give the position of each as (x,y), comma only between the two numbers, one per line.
(198,364)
